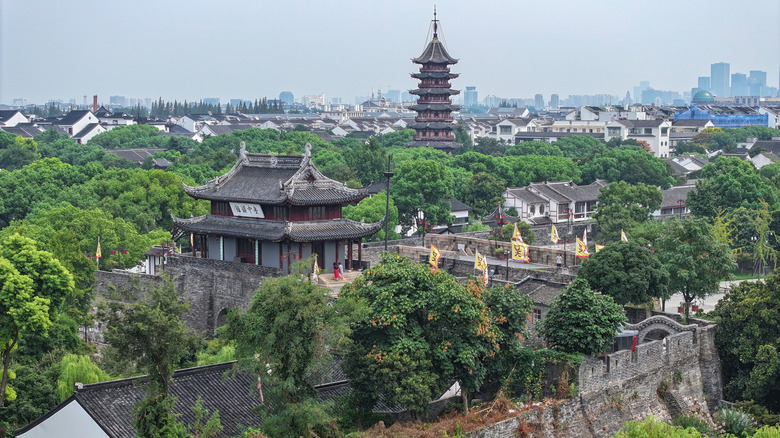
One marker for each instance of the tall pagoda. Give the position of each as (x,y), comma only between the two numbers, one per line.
(271,210)
(434,123)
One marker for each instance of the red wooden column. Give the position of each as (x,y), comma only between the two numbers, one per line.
(281,256)
(349,254)
(360,252)
(203,246)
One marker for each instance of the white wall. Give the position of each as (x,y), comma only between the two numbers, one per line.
(70,421)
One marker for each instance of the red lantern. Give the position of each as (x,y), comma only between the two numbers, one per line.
(680,309)
(124,251)
(113,252)
(695,307)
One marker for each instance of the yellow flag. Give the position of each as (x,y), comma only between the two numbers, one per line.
(517,236)
(485,277)
(599,247)
(582,249)
(554,235)
(98,253)
(434,257)
(192,241)
(480,262)
(520,251)
(623,236)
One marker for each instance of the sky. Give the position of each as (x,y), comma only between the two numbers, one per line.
(54,49)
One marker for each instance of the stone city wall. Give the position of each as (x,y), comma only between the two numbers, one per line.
(209,286)
(657,379)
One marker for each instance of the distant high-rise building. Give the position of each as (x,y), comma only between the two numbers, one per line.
(433,123)
(627,100)
(117,100)
(393,95)
(211,100)
(539,102)
(757,83)
(555,102)
(470,97)
(643,85)
(719,79)
(287,97)
(739,85)
(704,83)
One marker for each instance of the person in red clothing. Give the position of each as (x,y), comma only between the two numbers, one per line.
(335,270)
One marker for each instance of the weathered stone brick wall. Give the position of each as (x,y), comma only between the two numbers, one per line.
(209,286)
(660,380)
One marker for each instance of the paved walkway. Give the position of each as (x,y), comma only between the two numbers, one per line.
(709,303)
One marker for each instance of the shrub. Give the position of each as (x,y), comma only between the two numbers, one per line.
(652,428)
(767,432)
(734,422)
(688,421)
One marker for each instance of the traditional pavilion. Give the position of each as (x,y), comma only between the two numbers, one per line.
(272,210)
(434,123)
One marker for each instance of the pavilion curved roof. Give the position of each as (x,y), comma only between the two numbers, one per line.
(276,231)
(275,180)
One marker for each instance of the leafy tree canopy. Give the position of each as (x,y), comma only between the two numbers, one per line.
(623,205)
(581,321)
(483,193)
(373,210)
(422,186)
(630,165)
(748,340)
(627,272)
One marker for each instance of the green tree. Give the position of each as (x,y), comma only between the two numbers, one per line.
(578,146)
(627,164)
(627,272)
(729,183)
(483,192)
(151,333)
(284,326)
(534,148)
(622,206)
(695,259)
(373,210)
(581,321)
(748,340)
(422,186)
(33,286)
(422,331)
(77,368)
(18,154)
(367,160)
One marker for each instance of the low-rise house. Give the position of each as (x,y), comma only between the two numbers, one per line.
(554,202)
(11,118)
(654,132)
(507,128)
(80,125)
(673,202)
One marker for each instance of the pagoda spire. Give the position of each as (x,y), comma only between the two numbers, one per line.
(435,23)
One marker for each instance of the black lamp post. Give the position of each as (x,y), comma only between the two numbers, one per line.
(387,175)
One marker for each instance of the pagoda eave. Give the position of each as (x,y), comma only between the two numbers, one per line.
(277,231)
(434,91)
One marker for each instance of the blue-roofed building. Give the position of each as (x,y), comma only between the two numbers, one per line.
(724,116)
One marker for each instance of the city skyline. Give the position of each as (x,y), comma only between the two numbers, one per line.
(51,50)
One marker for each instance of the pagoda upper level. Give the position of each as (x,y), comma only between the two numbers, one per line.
(434,124)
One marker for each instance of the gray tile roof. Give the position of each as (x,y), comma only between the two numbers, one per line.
(275,231)
(526,195)
(136,155)
(690,122)
(434,144)
(672,195)
(541,291)
(456,205)
(87,129)
(73,117)
(26,130)
(276,180)
(435,53)
(7,114)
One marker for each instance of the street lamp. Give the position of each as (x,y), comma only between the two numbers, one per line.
(387,175)
(568,232)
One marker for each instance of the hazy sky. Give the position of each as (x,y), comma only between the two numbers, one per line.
(55,49)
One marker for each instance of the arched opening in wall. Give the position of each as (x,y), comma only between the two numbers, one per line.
(221,319)
(656,335)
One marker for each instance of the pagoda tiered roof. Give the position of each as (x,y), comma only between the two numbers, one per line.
(434,91)
(435,53)
(435,75)
(275,180)
(276,231)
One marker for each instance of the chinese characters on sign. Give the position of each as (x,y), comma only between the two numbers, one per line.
(241,209)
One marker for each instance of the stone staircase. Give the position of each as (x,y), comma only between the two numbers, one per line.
(326,279)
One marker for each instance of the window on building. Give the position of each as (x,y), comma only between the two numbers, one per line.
(664,130)
(533,209)
(541,209)
(280,213)
(317,212)
(648,131)
(537,315)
